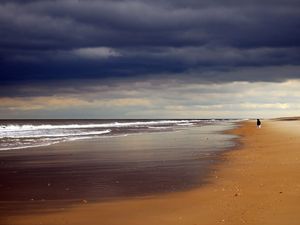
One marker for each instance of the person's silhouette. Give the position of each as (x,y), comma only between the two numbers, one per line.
(258,123)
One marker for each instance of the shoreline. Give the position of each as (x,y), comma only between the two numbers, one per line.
(43,172)
(255,183)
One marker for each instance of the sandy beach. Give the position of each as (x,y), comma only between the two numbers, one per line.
(256,183)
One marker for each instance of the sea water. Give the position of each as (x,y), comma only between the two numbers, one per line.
(104,159)
(19,134)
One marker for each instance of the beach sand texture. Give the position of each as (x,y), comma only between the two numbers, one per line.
(258,183)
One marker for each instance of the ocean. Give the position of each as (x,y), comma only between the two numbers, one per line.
(19,134)
(103,159)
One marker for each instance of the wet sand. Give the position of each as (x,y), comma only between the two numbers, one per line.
(107,169)
(258,183)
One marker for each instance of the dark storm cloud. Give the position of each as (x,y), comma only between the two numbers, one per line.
(200,40)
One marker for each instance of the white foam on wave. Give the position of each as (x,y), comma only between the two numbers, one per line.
(20,136)
(185,124)
(159,128)
(42,135)
(5,128)
(46,141)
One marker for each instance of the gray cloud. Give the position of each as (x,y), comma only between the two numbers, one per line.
(108,88)
(153,100)
(115,48)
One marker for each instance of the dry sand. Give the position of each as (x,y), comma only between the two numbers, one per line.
(259,183)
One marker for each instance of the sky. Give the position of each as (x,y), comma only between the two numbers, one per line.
(149,59)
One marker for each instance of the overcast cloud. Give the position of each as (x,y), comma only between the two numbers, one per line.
(63,49)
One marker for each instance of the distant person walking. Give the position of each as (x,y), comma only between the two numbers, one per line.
(258,123)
